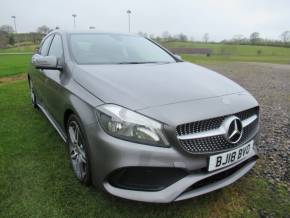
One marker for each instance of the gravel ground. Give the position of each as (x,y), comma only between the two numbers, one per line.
(270,84)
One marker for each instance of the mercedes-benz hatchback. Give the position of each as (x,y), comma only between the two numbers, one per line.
(139,122)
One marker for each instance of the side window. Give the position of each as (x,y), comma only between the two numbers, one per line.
(45,46)
(56,47)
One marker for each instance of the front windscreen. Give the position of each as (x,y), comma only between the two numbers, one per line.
(101,48)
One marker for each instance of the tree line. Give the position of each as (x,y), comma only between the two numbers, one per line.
(8,37)
(254,39)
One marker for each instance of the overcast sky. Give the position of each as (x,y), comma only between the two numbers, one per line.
(220,18)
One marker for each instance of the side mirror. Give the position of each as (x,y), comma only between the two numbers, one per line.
(45,62)
(178,57)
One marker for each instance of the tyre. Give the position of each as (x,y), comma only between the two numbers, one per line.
(78,150)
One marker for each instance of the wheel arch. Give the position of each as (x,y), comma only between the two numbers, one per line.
(66,115)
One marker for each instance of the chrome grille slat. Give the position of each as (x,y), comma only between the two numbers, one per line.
(211,138)
(215,132)
(249,120)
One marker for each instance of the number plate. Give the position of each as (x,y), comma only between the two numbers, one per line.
(225,159)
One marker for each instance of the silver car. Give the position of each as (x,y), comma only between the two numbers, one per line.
(139,122)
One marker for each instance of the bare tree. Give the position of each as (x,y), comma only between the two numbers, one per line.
(43,29)
(285,36)
(7,28)
(4,39)
(205,37)
(182,37)
(255,37)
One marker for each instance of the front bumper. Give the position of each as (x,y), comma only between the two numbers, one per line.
(184,188)
(109,154)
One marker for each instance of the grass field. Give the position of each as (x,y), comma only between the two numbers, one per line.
(13,64)
(223,52)
(239,50)
(36,179)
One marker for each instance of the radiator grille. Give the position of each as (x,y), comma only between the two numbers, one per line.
(215,143)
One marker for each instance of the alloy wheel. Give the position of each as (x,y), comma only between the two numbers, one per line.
(77,150)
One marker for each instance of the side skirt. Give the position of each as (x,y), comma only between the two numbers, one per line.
(54,124)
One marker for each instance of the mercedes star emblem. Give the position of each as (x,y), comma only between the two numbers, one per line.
(234,129)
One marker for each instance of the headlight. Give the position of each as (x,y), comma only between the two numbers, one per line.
(125,124)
